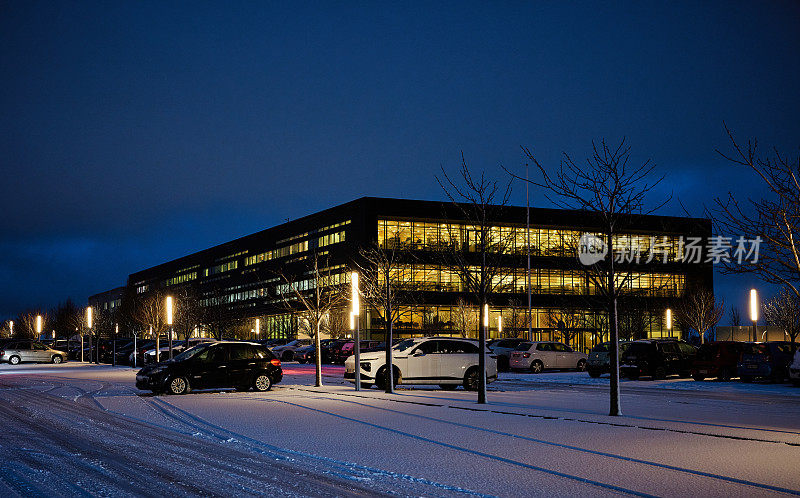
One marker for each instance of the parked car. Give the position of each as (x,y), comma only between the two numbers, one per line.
(794,369)
(347,349)
(765,360)
(16,352)
(330,353)
(210,365)
(446,361)
(718,359)
(305,354)
(657,358)
(599,361)
(537,356)
(286,351)
(177,348)
(503,349)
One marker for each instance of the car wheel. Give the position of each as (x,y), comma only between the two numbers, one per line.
(659,373)
(57,359)
(594,373)
(449,387)
(581,365)
(178,385)
(698,377)
(14,360)
(471,379)
(381,379)
(262,382)
(537,366)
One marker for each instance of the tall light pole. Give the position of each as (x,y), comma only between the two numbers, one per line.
(482,364)
(39,327)
(89,327)
(114,345)
(669,322)
(754,312)
(528,246)
(356,310)
(169,323)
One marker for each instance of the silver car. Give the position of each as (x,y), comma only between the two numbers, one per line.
(16,352)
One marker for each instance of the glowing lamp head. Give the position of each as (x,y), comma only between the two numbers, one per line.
(500,324)
(38,324)
(354,288)
(753,305)
(169,310)
(11,326)
(669,319)
(485,315)
(352,321)
(88,317)
(258,326)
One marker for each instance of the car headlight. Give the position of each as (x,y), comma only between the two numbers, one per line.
(366,366)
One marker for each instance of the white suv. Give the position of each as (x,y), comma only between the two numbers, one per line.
(446,361)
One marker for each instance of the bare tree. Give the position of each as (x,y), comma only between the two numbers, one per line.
(783,311)
(567,320)
(774,220)
(188,310)
(701,311)
(25,324)
(464,317)
(215,313)
(384,273)
(480,259)
(150,313)
(517,319)
(735,317)
(318,294)
(612,191)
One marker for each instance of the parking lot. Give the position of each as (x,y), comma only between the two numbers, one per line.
(74,428)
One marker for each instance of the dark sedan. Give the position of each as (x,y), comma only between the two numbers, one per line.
(241,365)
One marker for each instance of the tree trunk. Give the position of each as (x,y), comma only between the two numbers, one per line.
(615,409)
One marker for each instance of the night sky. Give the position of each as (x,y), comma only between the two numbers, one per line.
(132,133)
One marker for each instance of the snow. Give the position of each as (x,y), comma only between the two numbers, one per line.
(539,435)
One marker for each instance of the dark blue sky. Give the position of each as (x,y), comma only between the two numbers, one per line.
(136,132)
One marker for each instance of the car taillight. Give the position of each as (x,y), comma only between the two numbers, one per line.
(275,362)
(526,355)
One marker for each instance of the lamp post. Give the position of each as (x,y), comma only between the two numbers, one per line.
(11,328)
(89,327)
(169,322)
(114,346)
(356,309)
(158,346)
(39,327)
(258,327)
(500,326)
(669,323)
(754,312)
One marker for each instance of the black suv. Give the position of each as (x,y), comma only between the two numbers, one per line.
(241,365)
(657,358)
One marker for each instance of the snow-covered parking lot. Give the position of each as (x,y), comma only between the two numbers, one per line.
(74,429)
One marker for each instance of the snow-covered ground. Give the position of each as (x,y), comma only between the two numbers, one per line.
(74,429)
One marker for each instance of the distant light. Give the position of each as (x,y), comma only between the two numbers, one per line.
(88,317)
(11,326)
(116,329)
(753,305)
(669,319)
(500,324)
(354,296)
(38,324)
(258,326)
(169,310)
(486,315)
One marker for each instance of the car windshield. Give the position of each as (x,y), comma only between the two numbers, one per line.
(191,352)
(403,345)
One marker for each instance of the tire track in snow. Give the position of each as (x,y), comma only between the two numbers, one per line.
(698,473)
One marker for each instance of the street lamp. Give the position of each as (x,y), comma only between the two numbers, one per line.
(355,312)
(39,326)
(89,327)
(11,328)
(754,312)
(258,327)
(169,322)
(669,323)
(500,326)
